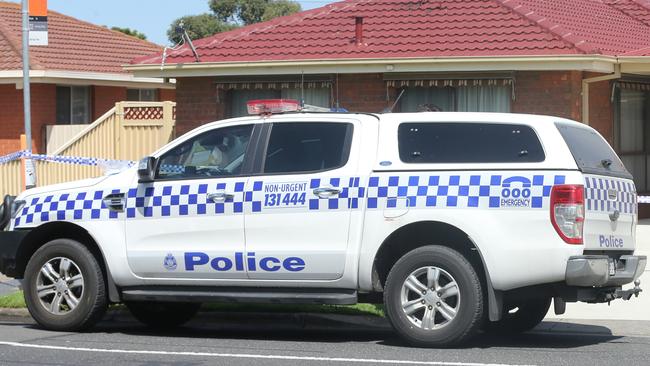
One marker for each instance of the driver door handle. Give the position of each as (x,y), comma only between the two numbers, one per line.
(219,197)
(326,192)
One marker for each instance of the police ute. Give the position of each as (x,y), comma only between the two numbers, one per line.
(458,223)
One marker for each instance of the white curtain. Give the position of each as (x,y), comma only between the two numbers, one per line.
(319,97)
(239,99)
(484,98)
(420,99)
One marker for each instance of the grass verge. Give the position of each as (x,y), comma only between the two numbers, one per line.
(13,301)
(16,300)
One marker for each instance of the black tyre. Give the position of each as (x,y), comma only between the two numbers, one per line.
(64,286)
(448,315)
(163,315)
(520,316)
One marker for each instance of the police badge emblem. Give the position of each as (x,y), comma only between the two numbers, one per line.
(170,262)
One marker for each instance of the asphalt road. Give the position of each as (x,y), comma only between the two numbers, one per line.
(247,339)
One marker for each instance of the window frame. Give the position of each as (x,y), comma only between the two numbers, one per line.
(155,91)
(617,133)
(88,104)
(265,138)
(247,165)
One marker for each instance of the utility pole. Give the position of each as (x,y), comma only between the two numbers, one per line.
(30,173)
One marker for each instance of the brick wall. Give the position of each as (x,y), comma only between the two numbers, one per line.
(167,95)
(43,98)
(104,98)
(556,93)
(11,118)
(43,110)
(364,93)
(197,102)
(601,108)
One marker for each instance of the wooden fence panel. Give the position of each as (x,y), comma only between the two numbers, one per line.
(129,131)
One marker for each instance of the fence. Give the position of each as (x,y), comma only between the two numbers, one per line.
(128,131)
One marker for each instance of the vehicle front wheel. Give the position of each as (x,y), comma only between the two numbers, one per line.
(163,315)
(64,286)
(520,316)
(433,297)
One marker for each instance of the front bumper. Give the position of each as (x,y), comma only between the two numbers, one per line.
(10,242)
(603,271)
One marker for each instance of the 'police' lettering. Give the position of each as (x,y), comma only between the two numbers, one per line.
(195,259)
(223,264)
(610,242)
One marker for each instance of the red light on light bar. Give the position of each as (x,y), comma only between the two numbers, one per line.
(271,106)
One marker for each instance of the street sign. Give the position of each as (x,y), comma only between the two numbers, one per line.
(38,23)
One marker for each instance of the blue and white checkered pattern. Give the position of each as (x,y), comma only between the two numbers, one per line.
(379,191)
(596,197)
(11,157)
(66,207)
(455,190)
(176,200)
(76,160)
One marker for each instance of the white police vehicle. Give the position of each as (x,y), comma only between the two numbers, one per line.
(456,221)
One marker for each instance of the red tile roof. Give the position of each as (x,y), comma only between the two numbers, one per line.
(433,28)
(74,45)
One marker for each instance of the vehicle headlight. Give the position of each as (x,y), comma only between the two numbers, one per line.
(16,206)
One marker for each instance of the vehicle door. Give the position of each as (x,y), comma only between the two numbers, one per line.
(189,222)
(299,220)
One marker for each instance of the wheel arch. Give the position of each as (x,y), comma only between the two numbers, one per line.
(45,233)
(421,233)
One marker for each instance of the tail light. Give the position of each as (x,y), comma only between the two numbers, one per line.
(568,212)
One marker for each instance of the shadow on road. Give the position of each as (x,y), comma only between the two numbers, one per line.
(318,329)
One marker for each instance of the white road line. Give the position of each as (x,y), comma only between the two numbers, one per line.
(253,356)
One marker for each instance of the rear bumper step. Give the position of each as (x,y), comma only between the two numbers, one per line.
(603,271)
(239,295)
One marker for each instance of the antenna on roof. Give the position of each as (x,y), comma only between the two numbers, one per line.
(180,30)
(390,110)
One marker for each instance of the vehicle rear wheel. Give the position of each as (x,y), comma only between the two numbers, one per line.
(433,297)
(64,286)
(520,316)
(163,315)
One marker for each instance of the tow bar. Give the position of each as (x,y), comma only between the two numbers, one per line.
(625,294)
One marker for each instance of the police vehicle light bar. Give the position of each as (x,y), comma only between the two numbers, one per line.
(271,106)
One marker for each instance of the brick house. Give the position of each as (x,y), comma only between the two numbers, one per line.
(74,80)
(582,59)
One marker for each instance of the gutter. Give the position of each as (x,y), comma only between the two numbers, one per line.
(585,90)
(595,63)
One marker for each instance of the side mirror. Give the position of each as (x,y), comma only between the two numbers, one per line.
(146,169)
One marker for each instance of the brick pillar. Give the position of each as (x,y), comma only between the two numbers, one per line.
(363,92)
(555,93)
(198,102)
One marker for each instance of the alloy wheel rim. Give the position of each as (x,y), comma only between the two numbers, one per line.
(60,285)
(430,298)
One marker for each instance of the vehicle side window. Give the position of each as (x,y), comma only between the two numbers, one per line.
(308,147)
(217,153)
(468,143)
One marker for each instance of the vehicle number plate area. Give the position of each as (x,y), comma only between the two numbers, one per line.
(612,267)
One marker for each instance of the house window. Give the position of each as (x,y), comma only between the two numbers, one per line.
(633,136)
(72,104)
(479,98)
(319,97)
(142,95)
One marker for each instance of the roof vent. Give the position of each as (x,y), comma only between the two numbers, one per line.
(359,30)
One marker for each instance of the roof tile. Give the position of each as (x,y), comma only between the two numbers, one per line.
(432,28)
(74,45)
